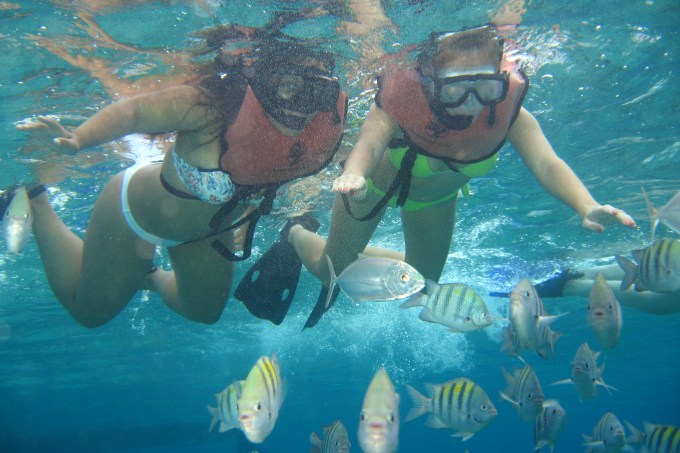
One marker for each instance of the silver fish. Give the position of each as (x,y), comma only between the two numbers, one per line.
(529,323)
(669,214)
(261,399)
(454,305)
(226,411)
(336,439)
(608,436)
(549,425)
(585,374)
(17,221)
(657,268)
(379,422)
(524,392)
(459,404)
(655,438)
(374,279)
(604,313)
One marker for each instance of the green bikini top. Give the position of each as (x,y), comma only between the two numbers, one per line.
(421,167)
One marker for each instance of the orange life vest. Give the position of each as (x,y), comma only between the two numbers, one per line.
(256,152)
(402,97)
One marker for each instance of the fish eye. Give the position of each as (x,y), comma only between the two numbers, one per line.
(484,407)
(588,307)
(468,319)
(609,306)
(259,406)
(391,418)
(529,395)
(363,417)
(404,278)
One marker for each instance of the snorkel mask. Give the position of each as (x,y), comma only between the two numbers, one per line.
(453,90)
(293,92)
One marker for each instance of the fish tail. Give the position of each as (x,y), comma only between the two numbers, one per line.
(629,268)
(653,214)
(636,436)
(215,416)
(316,442)
(332,284)
(420,404)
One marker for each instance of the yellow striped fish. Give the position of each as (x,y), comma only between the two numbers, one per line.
(454,305)
(261,398)
(585,374)
(656,438)
(608,436)
(549,425)
(226,411)
(459,404)
(336,439)
(524,392)
(657,268)
(379,421)
(604,313)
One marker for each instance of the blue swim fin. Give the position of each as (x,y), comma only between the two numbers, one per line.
(268,288)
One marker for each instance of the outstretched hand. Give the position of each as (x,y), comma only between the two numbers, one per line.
(351,184)
(48,129)
(600,216)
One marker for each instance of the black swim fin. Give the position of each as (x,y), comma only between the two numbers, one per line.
(320,308)
(268,288)
(552,287)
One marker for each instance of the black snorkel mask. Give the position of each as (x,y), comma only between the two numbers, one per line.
(296,88)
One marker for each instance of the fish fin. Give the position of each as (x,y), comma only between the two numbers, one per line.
(630,271)
(316,442)
(332,284)
(548,319)
(420,403)
(590,444)
(224,427)
(653,213)
(509,400)
(268,287)
(435,422)
(215,416)
(430,286)
(542,443)
(509,344)
(463,435)
(415,300)
(636,436)
(563,381)
(426,315)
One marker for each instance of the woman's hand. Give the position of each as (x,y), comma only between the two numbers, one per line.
(606,215)
(49,129)
(352,184)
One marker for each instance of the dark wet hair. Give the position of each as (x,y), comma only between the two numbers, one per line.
(440,48)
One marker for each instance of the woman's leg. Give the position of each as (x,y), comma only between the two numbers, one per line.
(199,286)
(93,279)
(346,239)
(428,234)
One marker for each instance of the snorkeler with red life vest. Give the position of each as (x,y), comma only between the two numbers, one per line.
(436,123)
(245,125)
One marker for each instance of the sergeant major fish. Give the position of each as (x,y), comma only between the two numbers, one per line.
(374,279)
(669,214)
(379,421)
(261,398)
(604,313)
(454,305)
(529,323)
(336,439)
(549,425)
(226,411)
(655,438)
(608,436)
(585,374)
(17,221)
(459,404)
(657,268)
(524,392)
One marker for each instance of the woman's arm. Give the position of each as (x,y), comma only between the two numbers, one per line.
(557,178)
(376,133)
(162,111)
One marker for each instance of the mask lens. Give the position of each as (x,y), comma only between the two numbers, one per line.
(488,89)
(307,93)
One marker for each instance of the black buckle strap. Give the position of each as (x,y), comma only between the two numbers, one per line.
(401,181)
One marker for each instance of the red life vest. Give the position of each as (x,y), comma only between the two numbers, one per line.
(402,97)
(256,152)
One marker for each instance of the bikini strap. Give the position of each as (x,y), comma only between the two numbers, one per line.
(401,182)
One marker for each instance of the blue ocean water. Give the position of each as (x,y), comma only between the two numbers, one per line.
(605,90)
